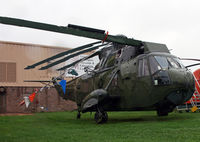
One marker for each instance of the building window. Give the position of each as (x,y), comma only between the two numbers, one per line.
(7,72)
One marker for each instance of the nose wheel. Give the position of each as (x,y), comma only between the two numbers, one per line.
(100,116)
(78,115)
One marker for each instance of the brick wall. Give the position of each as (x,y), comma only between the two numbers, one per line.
(48,101)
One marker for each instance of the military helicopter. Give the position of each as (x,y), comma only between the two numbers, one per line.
(131,75)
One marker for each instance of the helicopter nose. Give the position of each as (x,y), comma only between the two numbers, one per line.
(183,86)
(191,80)
(182,79)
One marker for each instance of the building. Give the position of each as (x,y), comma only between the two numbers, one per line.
(14,57)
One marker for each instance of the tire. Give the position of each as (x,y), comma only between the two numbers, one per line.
(78,115)
(162,112)
(101,117)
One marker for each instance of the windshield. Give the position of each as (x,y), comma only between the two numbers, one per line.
(179,62)
(163,62)
(154,66)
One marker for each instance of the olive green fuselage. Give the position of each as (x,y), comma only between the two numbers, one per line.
(131,90)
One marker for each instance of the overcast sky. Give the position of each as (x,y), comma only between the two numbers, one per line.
(175,23)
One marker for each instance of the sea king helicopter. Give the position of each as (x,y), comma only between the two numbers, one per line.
(131,75)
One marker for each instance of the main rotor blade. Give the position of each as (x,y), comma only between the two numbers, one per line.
(37,81)
(190,59)
(70,65)
(72,30)
(78,61)
(62,54)
(71,56)
(192,65)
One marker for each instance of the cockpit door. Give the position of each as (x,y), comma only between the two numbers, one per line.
(142,92)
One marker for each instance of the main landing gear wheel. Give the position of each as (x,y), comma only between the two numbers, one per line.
(101,117)
(162,112)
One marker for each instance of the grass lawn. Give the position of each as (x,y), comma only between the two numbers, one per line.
(121,127)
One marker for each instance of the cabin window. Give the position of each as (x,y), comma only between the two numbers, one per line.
(143,69)
(140,68)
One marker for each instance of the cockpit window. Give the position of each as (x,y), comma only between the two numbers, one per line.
(163,62)
(167,62)
(173,63)
(179,62)
(154,66)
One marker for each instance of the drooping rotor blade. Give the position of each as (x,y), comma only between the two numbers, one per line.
(62,54)
(72,30)
(70,65)
(78,61)
(37,81)
(71,56)
(190,59)
(192,65)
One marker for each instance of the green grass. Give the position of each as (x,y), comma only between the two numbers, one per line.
(121,127)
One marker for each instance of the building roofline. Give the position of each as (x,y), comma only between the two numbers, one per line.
(33,45)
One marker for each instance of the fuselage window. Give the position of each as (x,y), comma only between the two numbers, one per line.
(140,63)
(143,69)
(145,66)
